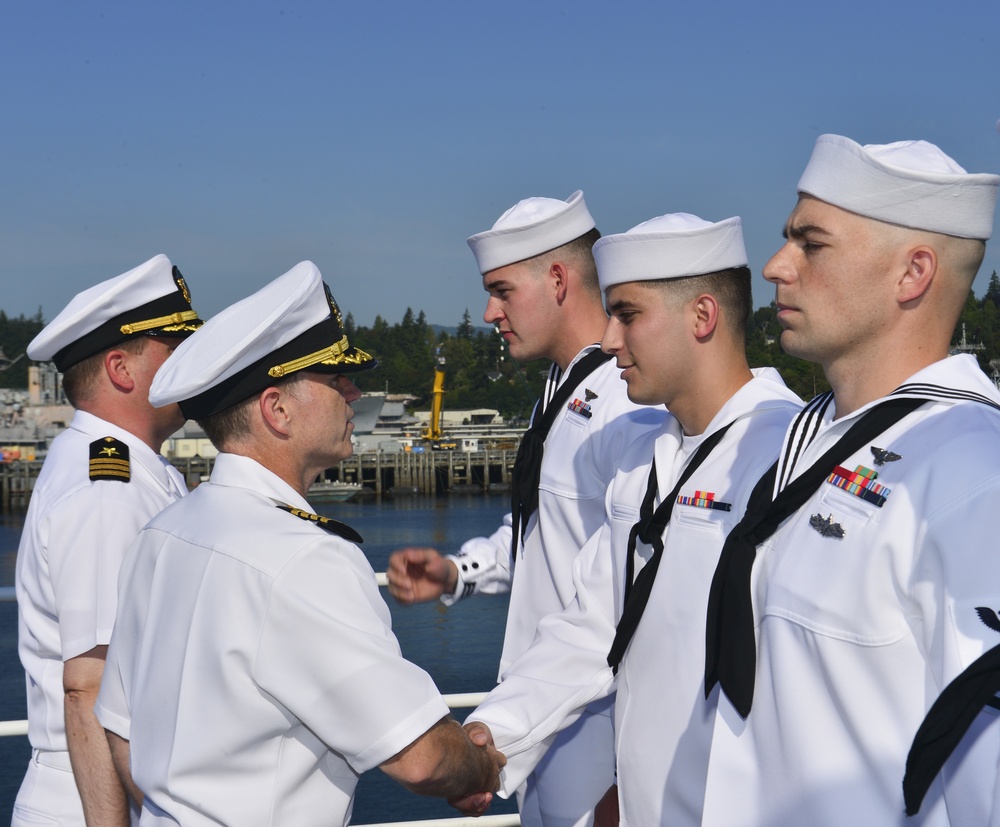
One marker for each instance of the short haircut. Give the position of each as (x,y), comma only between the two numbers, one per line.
(235,423)
(731,289)
(579,251)
(959,259)
(966,256)
(230,424)
(80,380)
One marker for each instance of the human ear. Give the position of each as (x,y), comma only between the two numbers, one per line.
(705,312)
(921,266)
(560,279)
(274,408)
(116,367)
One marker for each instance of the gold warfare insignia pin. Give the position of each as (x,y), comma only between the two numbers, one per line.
(109,460)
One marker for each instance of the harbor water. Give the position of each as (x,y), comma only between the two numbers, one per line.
(459,647)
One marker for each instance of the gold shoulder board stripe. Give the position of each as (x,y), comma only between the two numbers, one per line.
(109,460)
(333,526)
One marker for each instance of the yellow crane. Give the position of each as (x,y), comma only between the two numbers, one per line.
(434,432)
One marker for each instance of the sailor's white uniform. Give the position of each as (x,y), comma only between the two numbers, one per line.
(663,723)
(857,635)
(76,533)
(253,667)
(581,456)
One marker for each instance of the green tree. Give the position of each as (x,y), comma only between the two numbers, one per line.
(465,329)
(993,290)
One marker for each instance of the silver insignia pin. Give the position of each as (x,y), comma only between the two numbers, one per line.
(826,526)
(882,456)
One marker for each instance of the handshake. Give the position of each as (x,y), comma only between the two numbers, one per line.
(447,761)
(477,802)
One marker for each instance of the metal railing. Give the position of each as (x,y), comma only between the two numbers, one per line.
(462,700)
(464,821)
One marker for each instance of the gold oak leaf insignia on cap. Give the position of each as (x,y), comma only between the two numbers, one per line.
(109,460)
(182,285)
(334,310)
(333,526)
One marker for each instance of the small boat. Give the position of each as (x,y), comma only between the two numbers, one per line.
(333,491)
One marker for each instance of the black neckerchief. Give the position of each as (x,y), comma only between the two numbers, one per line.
(946,723)
(730,648)
(650,530)
(528,465)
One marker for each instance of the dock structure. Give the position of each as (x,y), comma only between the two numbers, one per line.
(17,479)
(433,473)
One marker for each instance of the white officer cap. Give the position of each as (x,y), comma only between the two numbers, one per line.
(910,183)
(148,300)
(529,228)
(289,325)
(670,247)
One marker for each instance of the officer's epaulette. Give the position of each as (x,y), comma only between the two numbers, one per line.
(334,527)
(109,460)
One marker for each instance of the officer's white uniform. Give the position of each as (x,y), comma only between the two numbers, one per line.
(253,667)
(98,486)
(663,724)
(75,535)
(858,635)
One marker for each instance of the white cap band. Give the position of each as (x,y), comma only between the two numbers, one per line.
(910,183)
(529,228)
(670,247)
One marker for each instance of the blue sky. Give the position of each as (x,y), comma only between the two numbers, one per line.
(373,138)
